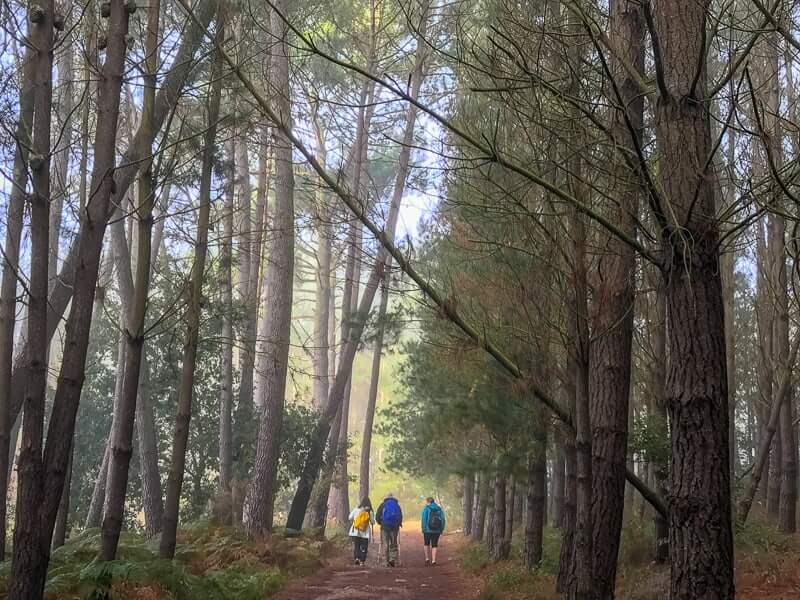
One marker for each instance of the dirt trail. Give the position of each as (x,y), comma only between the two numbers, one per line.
(411,580)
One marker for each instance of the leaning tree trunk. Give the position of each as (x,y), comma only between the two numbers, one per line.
(62,520)
(195,304)
(257,511)
(701,539)
(122,449)
(767,435)
(372,399)
(355,331)
(31,549)
(8,287)
(138,150)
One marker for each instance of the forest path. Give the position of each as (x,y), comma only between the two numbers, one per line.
(411,580)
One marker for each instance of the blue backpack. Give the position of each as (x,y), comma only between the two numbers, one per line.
(391,513)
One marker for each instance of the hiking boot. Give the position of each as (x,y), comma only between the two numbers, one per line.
(391,563)
(427,562)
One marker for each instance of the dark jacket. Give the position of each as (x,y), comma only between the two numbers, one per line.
(379,515)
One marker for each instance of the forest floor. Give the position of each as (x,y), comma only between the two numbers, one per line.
(410,580)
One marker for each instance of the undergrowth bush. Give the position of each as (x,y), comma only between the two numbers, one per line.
(211,563)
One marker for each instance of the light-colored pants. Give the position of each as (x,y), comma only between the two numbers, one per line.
(389,551)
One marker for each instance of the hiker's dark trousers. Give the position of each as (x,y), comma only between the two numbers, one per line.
(389,550)
(360,546)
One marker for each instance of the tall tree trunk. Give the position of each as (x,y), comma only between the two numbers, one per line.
(257,512)
(500,547)
(764,318)
(147,436)
(65,109)
(372,399)
(613,308)
(511,495)
(467,502)
(701,539)
(558,486)
(481,499)
(122,449)
(62,520)
(535,510)
(31,548)
(657,384)
(227,446)
(323,278)
(8,287)
(194,307)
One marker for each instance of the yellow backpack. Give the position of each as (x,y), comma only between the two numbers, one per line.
(361,522)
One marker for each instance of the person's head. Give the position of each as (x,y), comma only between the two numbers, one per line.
(388,496)
(430,500)
(365,503)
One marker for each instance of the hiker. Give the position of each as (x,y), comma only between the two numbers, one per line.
(361,530)
(432,520)
(390,518)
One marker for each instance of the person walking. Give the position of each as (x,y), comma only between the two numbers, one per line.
(390,517)
(361,519)
(432,520)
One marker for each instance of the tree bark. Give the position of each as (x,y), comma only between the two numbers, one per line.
(372,398)
(227,446)
(31,549)
(62,520)
(194,307)
(613,308)
(481,501)
(152,500)
(701,539)
(558,486)
(122,449)
(500,547)
(257,512)
(8,287)
(535,510)
(467,501)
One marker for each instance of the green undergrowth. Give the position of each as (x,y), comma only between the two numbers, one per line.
(763,554)
(211,563)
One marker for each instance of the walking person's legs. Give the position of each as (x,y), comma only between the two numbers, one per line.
(392,548)
(362,550)
(426,547)
(356,548)
(434,546)
(386,542)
